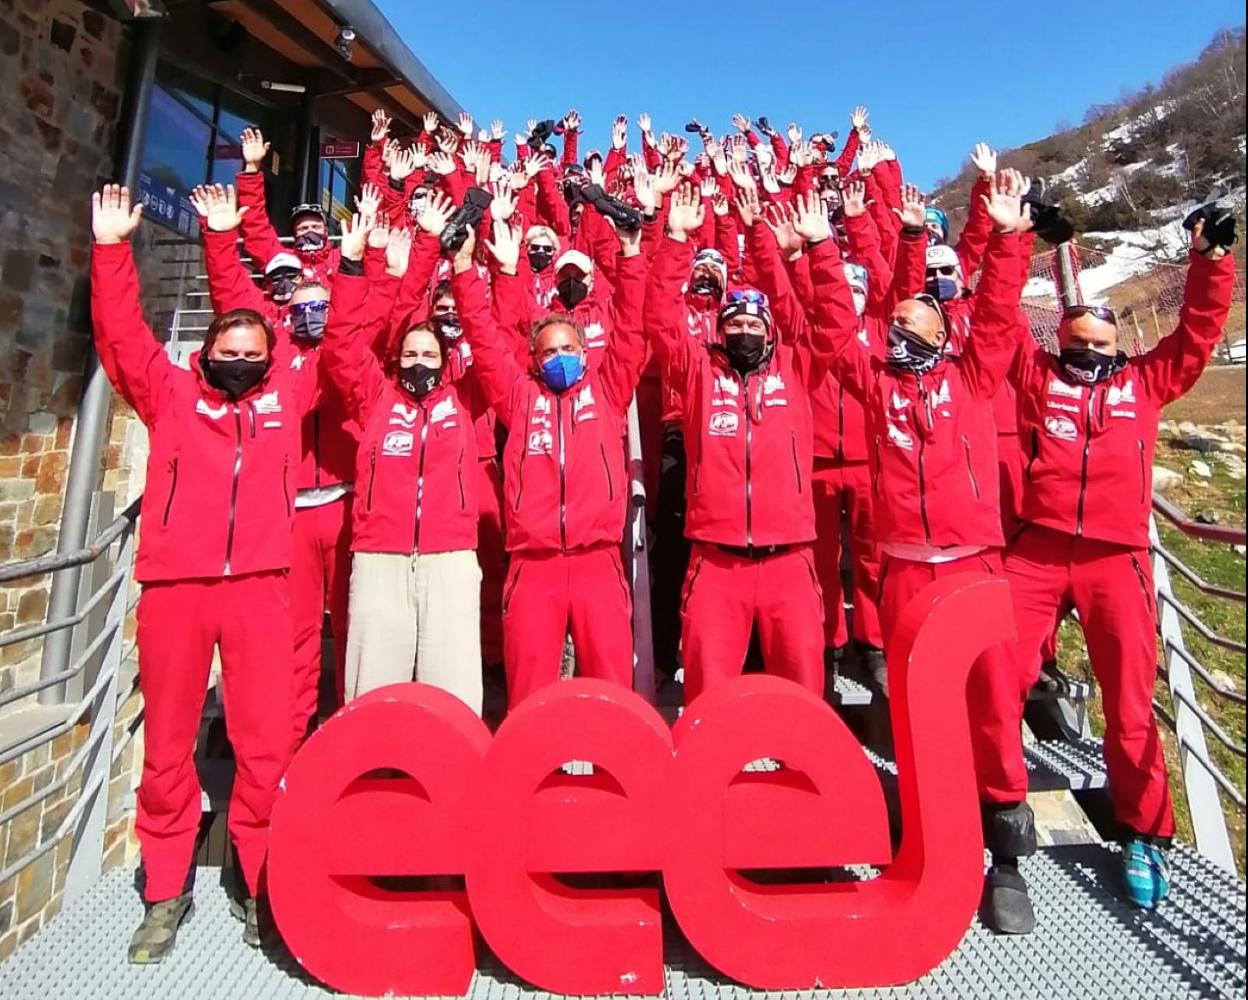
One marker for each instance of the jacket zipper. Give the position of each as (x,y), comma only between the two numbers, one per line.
(1083,472)
(1150,597)
(316,448)
(286,484)
(251,419)
(1035,451)
(173,488)
(970,470)
(524,452)
(238,468)
(420,478)
(606,467)
(563,499)
(372,477)
(797,466)
(1143,474)
(875,480)
(749,486)
(840,421)
(459,472)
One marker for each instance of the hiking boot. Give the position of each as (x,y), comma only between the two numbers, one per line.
(1009,909)
(1145,873)
(158,933)
(247,912)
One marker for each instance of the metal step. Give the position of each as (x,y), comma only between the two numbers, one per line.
(1088,942)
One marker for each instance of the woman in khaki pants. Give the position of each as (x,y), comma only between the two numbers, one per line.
(414,608)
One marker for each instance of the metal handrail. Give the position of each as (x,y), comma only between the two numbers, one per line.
(1215,773)
(35,631)
(1205,631)
(40,565)
(1210,725)
(1196,580)
(1204,674)
(1231,534)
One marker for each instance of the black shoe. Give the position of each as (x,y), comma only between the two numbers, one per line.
(764,125)
(155,937)
(543,131)
(695,127)
(467,216)
(1008,907)
(247,912)
(626,218)
(1049,682)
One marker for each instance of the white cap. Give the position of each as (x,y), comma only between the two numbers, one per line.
(943,255)
(574,258)
(281,260)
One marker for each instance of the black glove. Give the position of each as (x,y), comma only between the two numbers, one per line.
(764,125)
(1219,219)
(695,126)
(540,134)
(1047,220)
(626,218)
(467,216)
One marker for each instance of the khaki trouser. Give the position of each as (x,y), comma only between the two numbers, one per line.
(415,616)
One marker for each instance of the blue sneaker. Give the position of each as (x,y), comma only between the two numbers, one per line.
(1145,872)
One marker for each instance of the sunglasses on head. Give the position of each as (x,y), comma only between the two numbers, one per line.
(302,308)
(1104,313)
(750,295)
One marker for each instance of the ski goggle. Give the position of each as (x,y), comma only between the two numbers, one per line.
(1103,313)
(749,295)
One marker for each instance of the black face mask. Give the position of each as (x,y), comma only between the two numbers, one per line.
(572,291)
(746,351)
(419,380)
(310,242)
(448,326)
(540,258)
(309,326)
(233,378)
(907,352)
(282,287)
(1085,366)
(709,287)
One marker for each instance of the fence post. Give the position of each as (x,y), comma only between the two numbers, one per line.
(1203,800)
(86,858)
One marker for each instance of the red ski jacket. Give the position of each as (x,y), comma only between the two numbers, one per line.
(563,466)
(220,473)
(261,241)
(415,469)
(748,439)
(1090,448)
(931,439)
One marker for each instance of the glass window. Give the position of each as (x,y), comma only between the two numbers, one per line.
(175,159)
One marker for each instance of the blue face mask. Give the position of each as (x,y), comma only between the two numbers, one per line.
(942,289)
(563,371)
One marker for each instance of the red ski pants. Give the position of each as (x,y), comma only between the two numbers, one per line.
(1012,463)
(548,594)
(727,593)
(320,577)
(991,689)
(492,558)
(1111,587)
(179,625)
(843,490)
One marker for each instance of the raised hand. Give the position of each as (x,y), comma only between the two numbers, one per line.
(886,151)
(868,157)
(767,177)
(985,159)
(465,124)
(503,205)
(1201,244)
(535,164)
(741,123)
(255,149)
(389,150)
(740,150)
(719,203)
(437,211)
(112,218)
(496,130)
(381,126)
(218,206)
(398,251)
(619,132)
(913,205)
(448,140)
(368,202)
(572,121)
(379,235)
(1004,201)
(781,220)
(431,122)
(404,164)
(594,169)
(741,176)
(643,187)
(854,198)
(441,163)
(858,118)
(355,236)
(788,175)
(505,247)
(666,178)
(795,132)
(810,220)
(708,187)
(748,206)
(802,154)
(517,176)
(645,124)
(686,213)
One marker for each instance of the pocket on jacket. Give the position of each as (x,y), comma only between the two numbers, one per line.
(173,489)
(1146,584)
(691,579)
(509,585)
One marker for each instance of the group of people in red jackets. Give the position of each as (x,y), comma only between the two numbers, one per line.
(421,431)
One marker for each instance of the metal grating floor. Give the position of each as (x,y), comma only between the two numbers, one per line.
(1087,944)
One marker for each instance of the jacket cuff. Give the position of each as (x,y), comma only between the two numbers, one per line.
(355,268)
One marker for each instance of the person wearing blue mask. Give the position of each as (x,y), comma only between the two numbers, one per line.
(566,485)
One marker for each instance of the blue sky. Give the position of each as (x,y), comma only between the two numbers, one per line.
(937,77)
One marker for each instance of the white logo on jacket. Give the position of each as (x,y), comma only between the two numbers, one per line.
(269,403)
(397,443)
(728,385)
(443,410)
(297,362)
(723,424)
(899,437)
(1123,394)
(1062,428)
(584,402)
(541,404)
(541,442)
(1067,407)
(404,416)
(773,383)
(208,411)
(1060,388)
(942,394)
(898,402)
(595,336)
